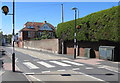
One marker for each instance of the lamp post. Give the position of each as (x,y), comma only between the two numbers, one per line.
(5,11)
(78,13)
(75,40)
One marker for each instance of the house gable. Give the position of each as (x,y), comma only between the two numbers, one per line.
(46,27)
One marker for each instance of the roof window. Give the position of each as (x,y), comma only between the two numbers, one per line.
(30,27)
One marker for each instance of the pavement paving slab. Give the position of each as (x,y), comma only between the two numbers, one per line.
(13,76)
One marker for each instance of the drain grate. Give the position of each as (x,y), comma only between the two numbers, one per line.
(109,74)
(65,74)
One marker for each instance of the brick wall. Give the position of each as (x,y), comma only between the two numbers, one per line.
(94,48)
(69,46)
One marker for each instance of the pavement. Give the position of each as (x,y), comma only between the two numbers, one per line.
(6,73)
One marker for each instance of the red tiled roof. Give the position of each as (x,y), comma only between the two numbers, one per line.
(35,25)
(27,29)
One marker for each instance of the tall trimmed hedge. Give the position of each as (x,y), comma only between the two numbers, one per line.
(102,25)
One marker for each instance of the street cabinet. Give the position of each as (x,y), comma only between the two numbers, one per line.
(107,52)
(87,52)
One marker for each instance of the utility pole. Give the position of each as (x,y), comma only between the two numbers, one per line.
(62,13)
(62,22)
(13,55)
(78,13)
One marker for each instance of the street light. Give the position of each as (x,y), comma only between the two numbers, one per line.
(75,40)
(5,10)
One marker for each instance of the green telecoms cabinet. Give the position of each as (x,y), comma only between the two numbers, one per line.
(87,52)
(106,52)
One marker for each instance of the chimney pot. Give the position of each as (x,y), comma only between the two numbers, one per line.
(45,21)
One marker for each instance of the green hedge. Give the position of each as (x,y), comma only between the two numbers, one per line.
(102,25)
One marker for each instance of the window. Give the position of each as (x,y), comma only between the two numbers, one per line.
(30,27)
(38,26)
(40,34)
(19,34)
(51,34)
(29,34)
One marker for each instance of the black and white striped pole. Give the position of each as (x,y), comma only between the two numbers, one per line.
(75,40)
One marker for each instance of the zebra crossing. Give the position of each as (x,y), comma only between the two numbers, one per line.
(46,64)
(60,63)
(30,65)
(51,64)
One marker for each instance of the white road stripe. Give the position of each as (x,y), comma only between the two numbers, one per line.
(88,68)
(30,65)
(26,60)
(101,67)
(1,72)
(32,73)
(46,64)
(91,76)
(16,59)
(109,68)
(74,63)
(60,63)
(76,69)
(35,79)
(112,70)
(60,70)
(45,71)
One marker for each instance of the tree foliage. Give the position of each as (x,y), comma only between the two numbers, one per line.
(102,25)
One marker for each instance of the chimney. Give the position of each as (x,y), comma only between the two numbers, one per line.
(45,22)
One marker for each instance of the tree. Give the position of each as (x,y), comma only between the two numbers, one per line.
(9,37)
(45,35)
(1,38)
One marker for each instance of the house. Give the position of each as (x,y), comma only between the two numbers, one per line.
(33,30)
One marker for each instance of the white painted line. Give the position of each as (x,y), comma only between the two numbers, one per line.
(46,64)
(60,70)
(1,72)
(45,71)
(30,73)
(16,59)
(91,76)
(101,67)
(36,79)
(26,60)
(30,65)
(112,70)
(88,68)
(60,63)
(76,69)
(36,59)
(74,63)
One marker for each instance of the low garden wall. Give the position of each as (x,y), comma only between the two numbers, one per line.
(51,45)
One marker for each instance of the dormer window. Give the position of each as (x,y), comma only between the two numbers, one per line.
(30,27)
(38,26)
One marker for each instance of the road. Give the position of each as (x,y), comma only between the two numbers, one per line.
(40,66)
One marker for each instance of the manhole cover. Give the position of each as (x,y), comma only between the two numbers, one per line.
(109,74)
